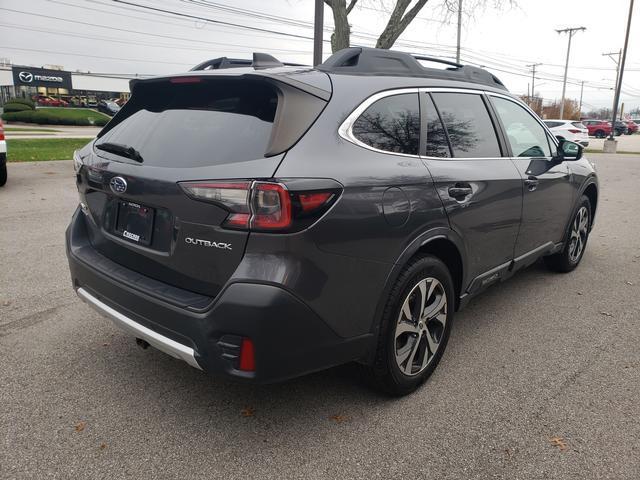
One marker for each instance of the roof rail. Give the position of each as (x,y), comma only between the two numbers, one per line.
(260,61)
(375,61)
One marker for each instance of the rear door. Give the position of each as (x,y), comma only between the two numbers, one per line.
(480,189)
(548,191)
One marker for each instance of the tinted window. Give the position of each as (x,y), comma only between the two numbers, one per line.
(197,124)
(437,143)
(391,124)
(552,124)
(578,124)
(525,135)
(468,124)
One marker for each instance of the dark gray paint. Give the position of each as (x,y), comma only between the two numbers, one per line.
(342,267)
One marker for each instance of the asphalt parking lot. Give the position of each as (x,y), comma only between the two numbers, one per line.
(541,378)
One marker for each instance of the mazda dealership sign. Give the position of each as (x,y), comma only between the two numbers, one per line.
(40,77)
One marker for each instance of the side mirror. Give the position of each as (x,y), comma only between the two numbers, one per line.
(569,150)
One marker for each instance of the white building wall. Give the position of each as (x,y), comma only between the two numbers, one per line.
(99,84)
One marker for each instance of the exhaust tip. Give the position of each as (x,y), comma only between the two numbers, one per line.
(142,343)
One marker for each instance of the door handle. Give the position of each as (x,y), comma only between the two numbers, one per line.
(460,190)
(532,183)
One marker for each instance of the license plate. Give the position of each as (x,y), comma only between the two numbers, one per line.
(135,222)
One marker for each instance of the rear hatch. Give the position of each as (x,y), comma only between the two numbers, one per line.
(188,130)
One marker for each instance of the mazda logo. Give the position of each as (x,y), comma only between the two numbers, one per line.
(26,77)
(118,185)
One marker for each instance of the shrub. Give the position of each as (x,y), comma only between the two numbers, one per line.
(16,107)
(45,117)
(23,101)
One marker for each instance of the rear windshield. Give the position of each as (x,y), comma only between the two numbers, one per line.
(196,124)
(578,125)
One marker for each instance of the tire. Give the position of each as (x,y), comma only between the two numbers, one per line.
(403,363)
(3,171)
(599,134)
(576,241)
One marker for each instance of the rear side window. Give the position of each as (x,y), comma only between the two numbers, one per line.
(197,124)
(578,124)
(437,143)
(552,124)
(391,124)
(525,135)
(468,124)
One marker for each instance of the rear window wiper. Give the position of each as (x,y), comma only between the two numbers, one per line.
(120,149)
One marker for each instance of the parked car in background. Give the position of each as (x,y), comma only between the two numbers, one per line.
(264,223)
(47,101)
(621,127)
(632,127)
(3,156)
(108,107)
(597,128)
(636,121)
(569,130)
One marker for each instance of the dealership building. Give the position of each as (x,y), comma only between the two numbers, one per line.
(29,82)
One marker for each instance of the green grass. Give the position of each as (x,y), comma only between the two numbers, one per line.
(40,149)
(29,130)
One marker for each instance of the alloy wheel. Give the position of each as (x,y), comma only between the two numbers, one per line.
(579,231)
(420,326)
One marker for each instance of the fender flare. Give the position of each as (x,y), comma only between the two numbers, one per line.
(410,250)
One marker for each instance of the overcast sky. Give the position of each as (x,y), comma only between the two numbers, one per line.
(115,37)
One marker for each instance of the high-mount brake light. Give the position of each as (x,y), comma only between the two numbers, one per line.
(185,80)
(263,206)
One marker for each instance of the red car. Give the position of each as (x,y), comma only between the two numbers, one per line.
(47,101)
(632,127)
(597,128)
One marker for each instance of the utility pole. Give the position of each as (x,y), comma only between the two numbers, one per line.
(459,30)
(571,32)
(580,107)
(616,98)
(533,79)
(617,62)
(318,25)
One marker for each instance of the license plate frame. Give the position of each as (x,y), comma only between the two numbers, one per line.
(134,222)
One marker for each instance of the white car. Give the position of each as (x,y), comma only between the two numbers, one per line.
(3,156)
(569,130)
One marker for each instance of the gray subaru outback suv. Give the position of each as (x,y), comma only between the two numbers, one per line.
(268,221)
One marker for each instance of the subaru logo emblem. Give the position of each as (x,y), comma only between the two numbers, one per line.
(26,77)
(118,185)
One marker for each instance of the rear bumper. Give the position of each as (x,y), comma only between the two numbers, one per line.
(289,338)
(165,344)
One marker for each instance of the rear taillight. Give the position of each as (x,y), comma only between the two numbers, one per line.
(573,130)
(1,131)
(267,206)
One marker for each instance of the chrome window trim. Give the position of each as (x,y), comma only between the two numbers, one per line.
(346,128)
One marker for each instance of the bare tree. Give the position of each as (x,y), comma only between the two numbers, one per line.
(402,14)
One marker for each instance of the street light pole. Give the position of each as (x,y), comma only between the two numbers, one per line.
(617,62)
(616,98)
(580,107)
(571,32)
(459,30)
(318,25)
